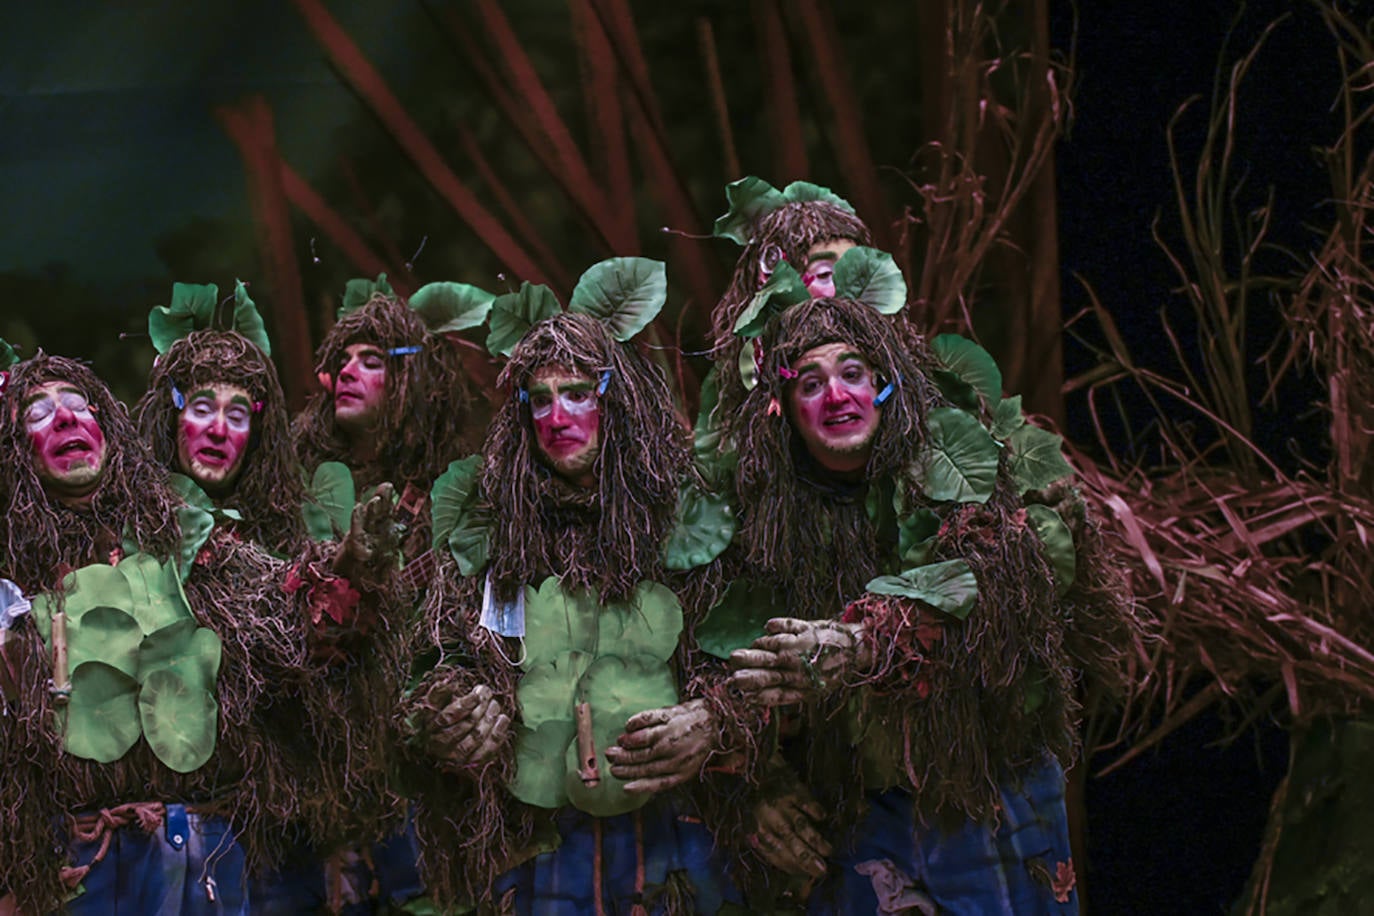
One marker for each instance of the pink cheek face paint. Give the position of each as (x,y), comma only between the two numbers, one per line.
(213,434)
(360,388)
(67,441)
(831,406)
(566,414)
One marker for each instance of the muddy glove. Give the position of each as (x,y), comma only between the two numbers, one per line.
(465,730)
(787,832)
(662,748)
(368,552)
(799,661)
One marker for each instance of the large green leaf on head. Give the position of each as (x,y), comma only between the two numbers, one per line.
(540,763)
(97,585)
(750,200)
(193,307)
(247,321)
(649,624)
(328,506)
(180,719)
(799,192)
(1058,542)
(949,586)
(102,715)
(108,635)
(960,459)
(513,314)
(7,356)
(783,290)
(448,308)
(625,294)
(546,691)
(458,521)
(156,590)
(705,527)
(616,688)
(967,366)
(1037,458)
(558,620)
(358,291)
(870,276)
(737,619)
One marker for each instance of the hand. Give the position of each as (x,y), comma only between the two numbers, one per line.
(662,748)
(371,542)
(799,660)
(468,729)
(785,833)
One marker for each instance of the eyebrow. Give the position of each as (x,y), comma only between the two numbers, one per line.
(824,256)
(203,393)
(542,388)
(69,389)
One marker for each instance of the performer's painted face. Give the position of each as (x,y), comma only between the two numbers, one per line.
(567,421)
(212,435)
(68,444)
(819,275)
(361,388)
(830,403)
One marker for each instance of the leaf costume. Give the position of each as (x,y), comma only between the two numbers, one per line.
(580,574)
(182,692)
(963,590)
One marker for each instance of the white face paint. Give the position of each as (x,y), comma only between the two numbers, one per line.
(39,415)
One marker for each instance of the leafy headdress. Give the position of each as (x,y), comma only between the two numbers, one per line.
(195,354)
(423,426)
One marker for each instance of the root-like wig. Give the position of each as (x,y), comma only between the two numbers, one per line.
(39,534)
(422,425)
(268,492)
(540,523)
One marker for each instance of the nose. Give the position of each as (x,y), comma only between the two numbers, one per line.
(349,371)
(219,426)
(558,415)
(63,416)
(835,392)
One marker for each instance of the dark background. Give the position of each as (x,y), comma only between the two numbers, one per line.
(117,180)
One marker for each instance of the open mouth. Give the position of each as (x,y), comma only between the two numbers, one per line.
(212,456)
(845,419)
(73,446)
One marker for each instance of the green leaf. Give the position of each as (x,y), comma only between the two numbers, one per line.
(179,719)
(616,688)
(7,355)
(540,766)
(750,199)
(102,715)
(192,307)
(546,691)
(196,525)
(916,532)
(557,621)
(458,521)
(247,321)
(451,307)
(803,191)
(97,585)
(783,290)
(625,294)
(108,635)
(156,591)
(1037,458)
(870,276)
(1007,417)
(1058,542)
(705,527)
(738,619)
(193,652)
(715,462)
(513,314)
(949,586)
(358,291)
(748,371)
(960,462)
(971,364)
(649,624)
(328,507)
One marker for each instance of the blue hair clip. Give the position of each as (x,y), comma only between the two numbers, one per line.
(605,381)
(402,351)
(886,393)
(523,395)
(178,398)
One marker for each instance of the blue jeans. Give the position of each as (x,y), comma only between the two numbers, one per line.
(1008,865)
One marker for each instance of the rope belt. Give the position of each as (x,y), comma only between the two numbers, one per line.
(101,826)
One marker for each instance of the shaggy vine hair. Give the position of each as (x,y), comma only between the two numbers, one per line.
(812,535)
(422,423)
(791,230)
(268,492)
(609,536)
(132,501)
